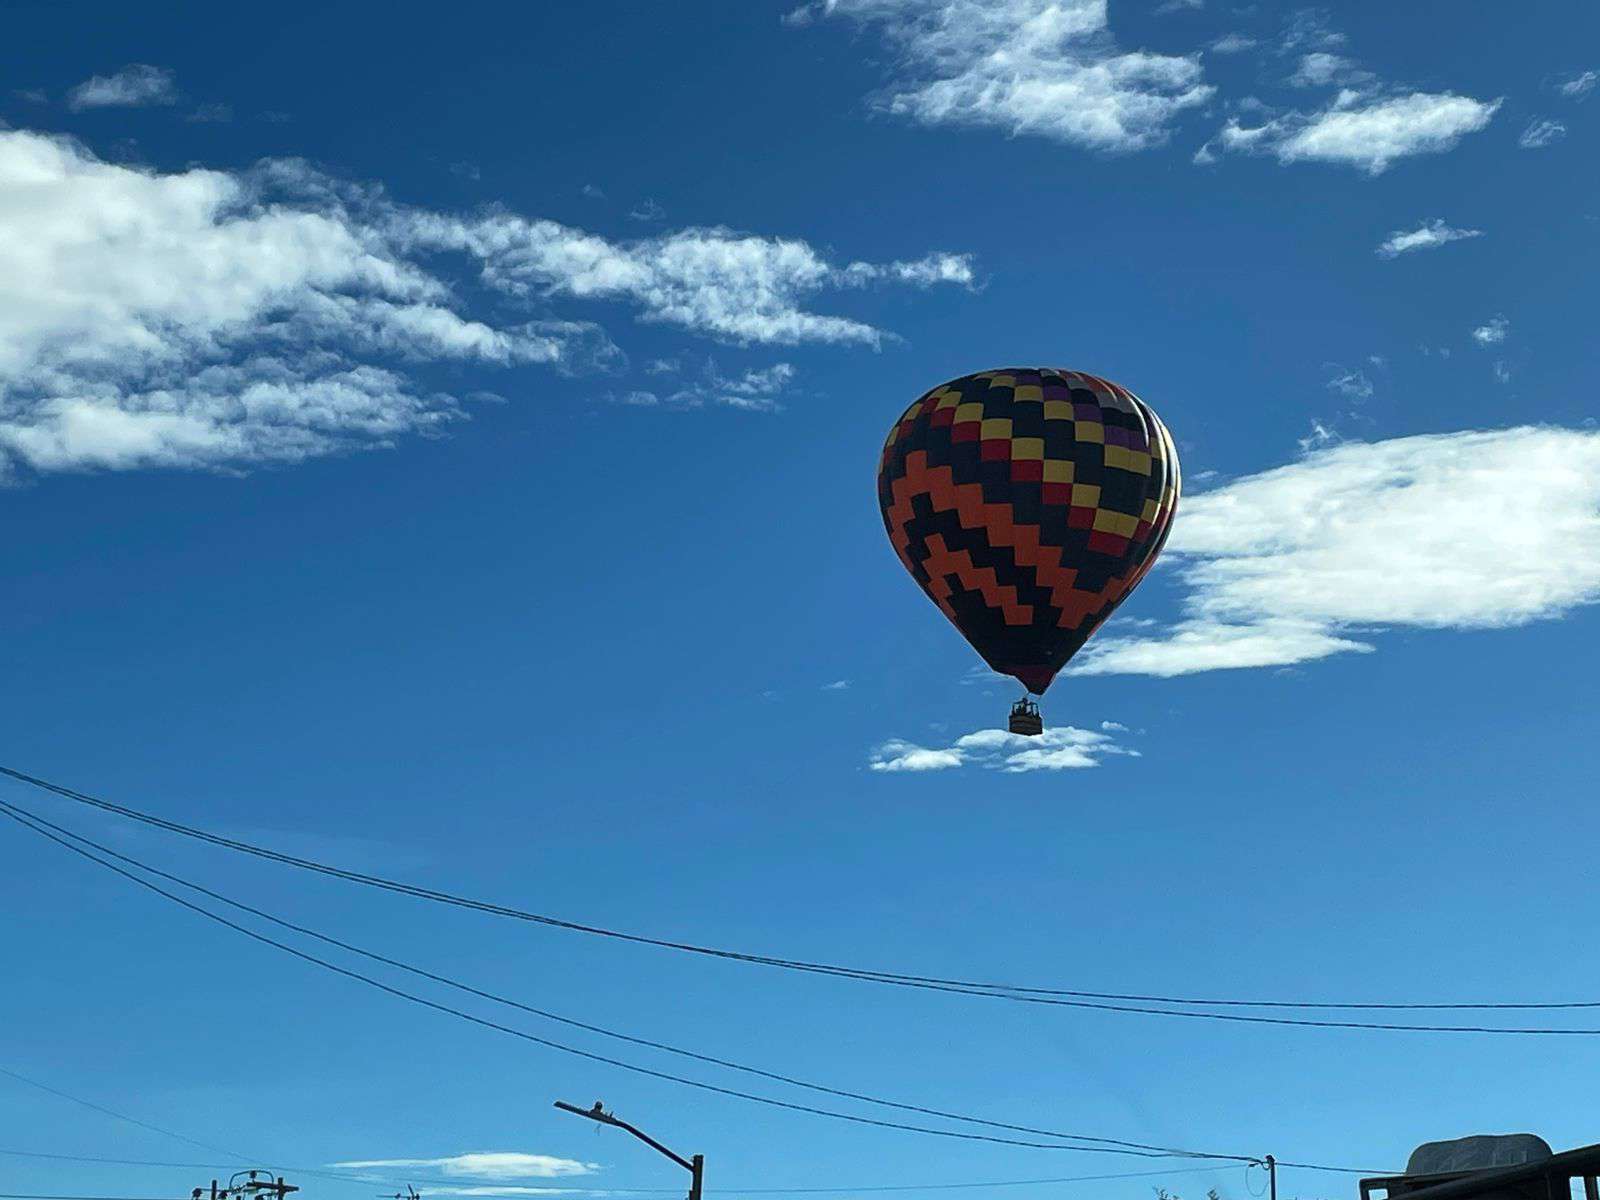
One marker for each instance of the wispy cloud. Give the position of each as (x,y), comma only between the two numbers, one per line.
(1492,332)
(207,319)
(732,286)
(1322,69)
(483,1164)
(1321,435)
(755,390)
(1062,748)
(1540,134)
(1424,237)
(1310,29)
(838,685)
(1043,68)
(1353,384)
(136,85)
(1233,43)
(1368,123)
(647,210)
(1359,129)
(1312,559)
(211,113)
(1578,87)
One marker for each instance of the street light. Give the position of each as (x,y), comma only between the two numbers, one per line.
(696,1166)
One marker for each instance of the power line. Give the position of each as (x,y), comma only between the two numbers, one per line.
(730,1191)
(964,1185)
(24,819)
(354,1178)
(366,1180)
(1058,997)
(361,1179)
(37,824)
(111,1112)
(587,1026)
(229,1155)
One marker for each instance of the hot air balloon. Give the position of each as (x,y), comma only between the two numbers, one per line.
(1028,503)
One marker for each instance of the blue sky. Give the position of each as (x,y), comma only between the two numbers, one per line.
(443,443)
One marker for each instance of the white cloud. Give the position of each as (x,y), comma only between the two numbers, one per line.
(756,390)
(838,685)
(920,272)
(211,114)
(1502,372)
(1320,435)
(1309,27)
(1322,69)
(1311,559)
(738,287)
(207,319)
(1045,68)
(1057,749)
(1366,130)
(483,1164)
(1424,237)
(897,755)
(647,210)
(191,319)
(1353,384)
(1492,332)
(1540,134)
(1577,87)
(1233,43)
(1202,645)
(135,85)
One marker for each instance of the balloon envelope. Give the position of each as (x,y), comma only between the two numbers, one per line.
(1027,503)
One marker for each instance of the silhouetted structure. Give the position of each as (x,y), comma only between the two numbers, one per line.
(1025,718)
(248,1185)
(696,1166)
(1515,1166)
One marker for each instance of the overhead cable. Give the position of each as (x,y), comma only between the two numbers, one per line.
(68,842)
(1134,1003)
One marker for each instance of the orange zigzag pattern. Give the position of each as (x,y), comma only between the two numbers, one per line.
(996,520)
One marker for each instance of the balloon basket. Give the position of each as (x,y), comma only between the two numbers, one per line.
(1026,718)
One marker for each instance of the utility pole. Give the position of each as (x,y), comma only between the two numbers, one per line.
(696,1166)
(249,1185)
(1272,1176)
